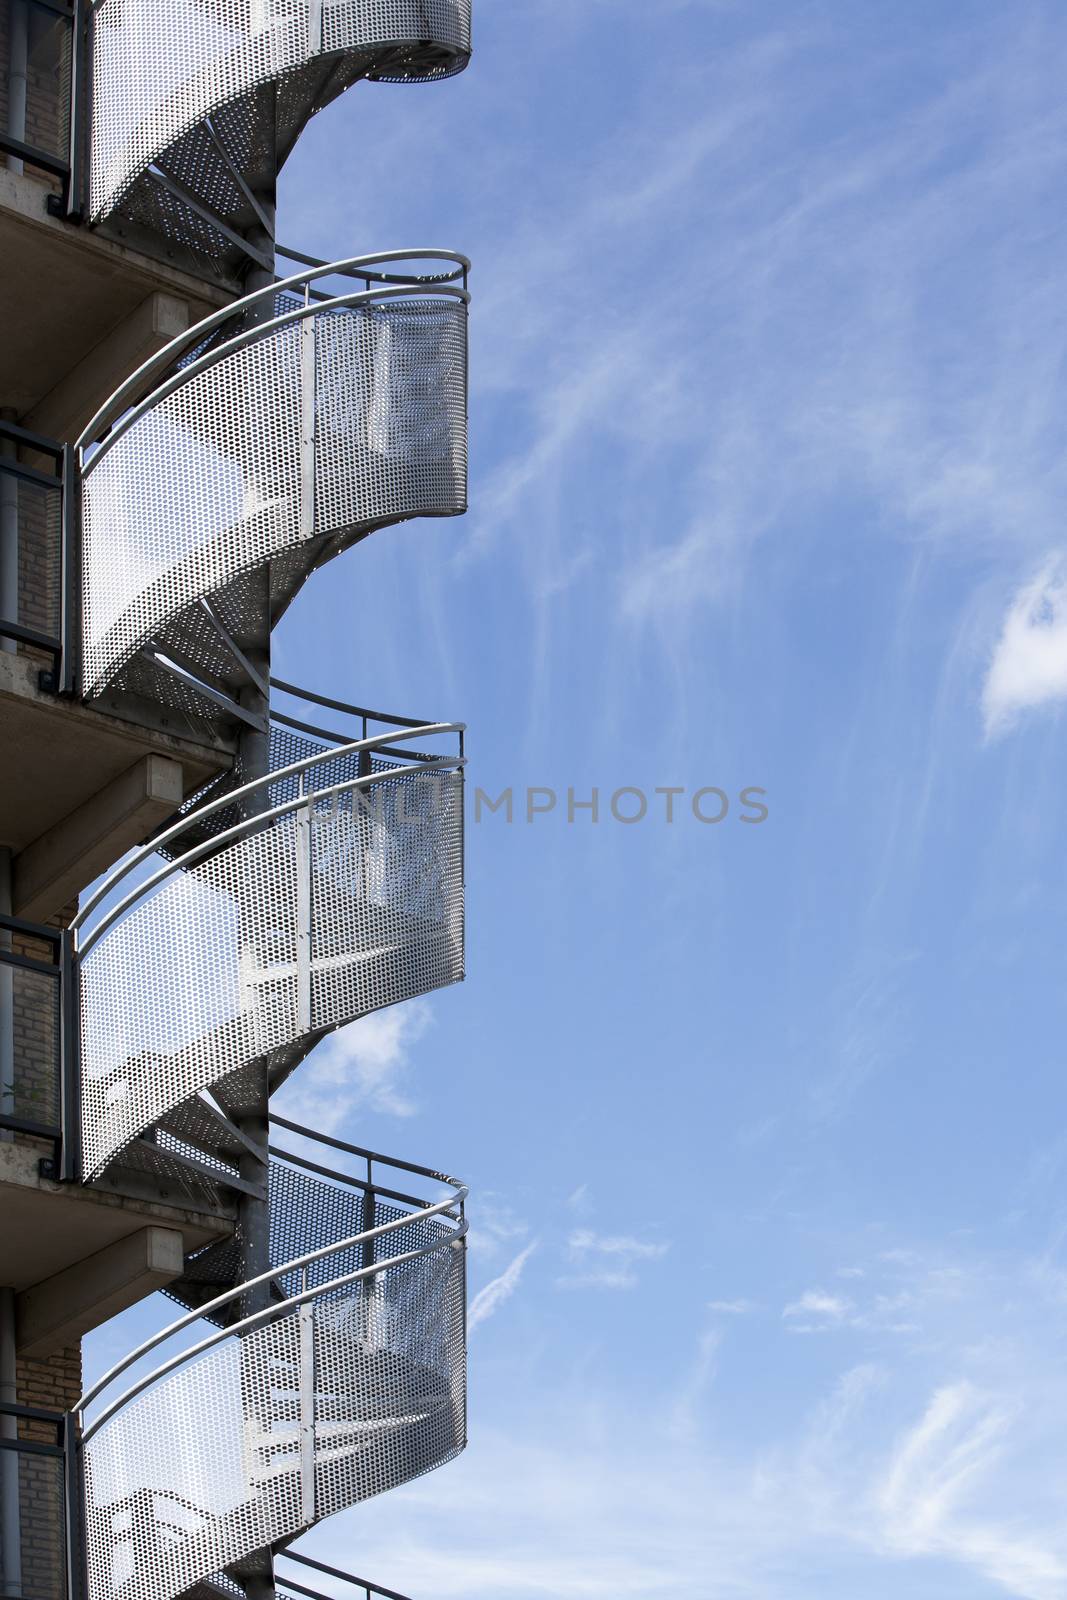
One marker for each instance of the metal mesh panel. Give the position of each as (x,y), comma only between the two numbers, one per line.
(206,486)
(157,74)
(286,747)
(170,1500)
(324,915)
(306,1214)
(390,414)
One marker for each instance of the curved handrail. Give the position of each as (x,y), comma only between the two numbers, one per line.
(358,1150)
(234,797)
(273,1310)
(117,403)
(259,330)
(349,711)
(347,271)
(331,1572)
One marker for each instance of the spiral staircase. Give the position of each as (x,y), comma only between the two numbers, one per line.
(272,911)
(349,1380)
(321,877)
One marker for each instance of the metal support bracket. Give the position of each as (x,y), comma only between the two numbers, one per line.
(171,661)
(244,665)
(213,220)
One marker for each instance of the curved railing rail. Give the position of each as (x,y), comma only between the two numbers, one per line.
(349,1380)
(288,1585)
(194,107)
(268,438)
(339,890)
(219,1587)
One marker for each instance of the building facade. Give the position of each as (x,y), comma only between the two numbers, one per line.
(205,870)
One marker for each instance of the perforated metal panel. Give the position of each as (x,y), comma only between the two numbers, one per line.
(179,88)
(346,905)
(206,1467)
(208,485)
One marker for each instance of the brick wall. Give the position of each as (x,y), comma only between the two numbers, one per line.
(40,525)
(35,1026)
(35,1029)
(54,1384)
(40,549)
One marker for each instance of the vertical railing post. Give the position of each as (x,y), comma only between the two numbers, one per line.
(367,1251)
(69,577)
(307,1406)
(9,536)
(304,818)
(74,1509)
(79,110)
(69,1065)
(307,423)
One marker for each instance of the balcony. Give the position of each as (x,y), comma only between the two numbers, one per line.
(271,437)
(194,106)
(39,66)
(348,1378)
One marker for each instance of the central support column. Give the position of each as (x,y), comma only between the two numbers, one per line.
(253,1215)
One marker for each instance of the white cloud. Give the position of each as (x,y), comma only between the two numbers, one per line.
(362,1066)
(828,1308)
(606,1261)
(1029,664)
(732,1308)
(890,1312)
(492,1297)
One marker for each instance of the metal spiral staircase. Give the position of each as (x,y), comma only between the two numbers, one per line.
(193,103)
(267,439)
(349,1380)
(318,880)
(272,911)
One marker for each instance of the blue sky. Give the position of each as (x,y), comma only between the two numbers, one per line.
(764,1125)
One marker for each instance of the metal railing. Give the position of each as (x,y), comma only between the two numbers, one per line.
(44,63)
(273,435)
(373,827)
(38,1050)
(38,551)
(349,1381)
(287,1585)
(341,894)
(44,1471)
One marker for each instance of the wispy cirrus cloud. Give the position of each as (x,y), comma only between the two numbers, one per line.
(493,1295)
(607,1261)
(883,1486)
